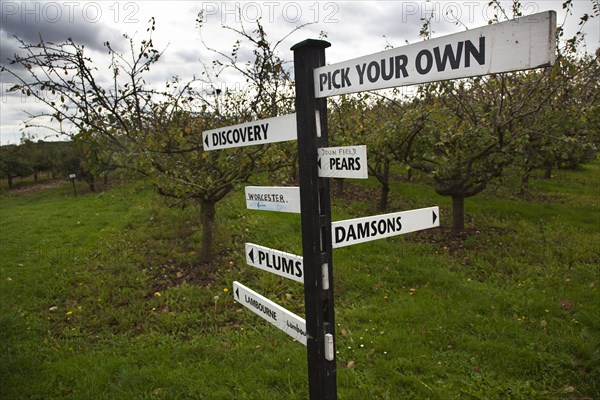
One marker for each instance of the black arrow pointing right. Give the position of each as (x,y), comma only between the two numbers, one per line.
(434,216)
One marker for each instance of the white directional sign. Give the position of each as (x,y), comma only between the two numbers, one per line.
(359,230)
(270,130)
(343,162)
(283,319)
(283,264)
(522,43)
(273,198)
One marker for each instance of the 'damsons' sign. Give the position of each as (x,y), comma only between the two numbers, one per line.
(366,229)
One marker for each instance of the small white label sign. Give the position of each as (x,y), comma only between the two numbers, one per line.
(269,130)
(523,43)
(277,262)
(273,313)
(273,198)
(359,230)
(343,162)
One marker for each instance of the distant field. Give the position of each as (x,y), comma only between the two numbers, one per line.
(101,297)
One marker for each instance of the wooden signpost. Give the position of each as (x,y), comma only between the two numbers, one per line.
(72,178)
(523,43)
(311,119)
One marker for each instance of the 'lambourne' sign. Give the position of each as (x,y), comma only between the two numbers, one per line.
(519,44)
(272,312)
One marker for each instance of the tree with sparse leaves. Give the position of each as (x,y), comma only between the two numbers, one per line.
(157,133)
(387,125)
(480,126)
(14,163)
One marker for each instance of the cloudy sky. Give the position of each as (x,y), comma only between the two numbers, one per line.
(354,28)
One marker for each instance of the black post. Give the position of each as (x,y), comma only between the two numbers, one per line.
(316,223)
(74,190)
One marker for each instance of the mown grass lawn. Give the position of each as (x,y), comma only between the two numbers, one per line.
(101,297)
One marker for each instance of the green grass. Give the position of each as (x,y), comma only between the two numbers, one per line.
(101,297)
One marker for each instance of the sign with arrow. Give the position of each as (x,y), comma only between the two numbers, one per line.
(273,198)
(343,162)
(270,130)
(519,44)
(273,313)
(360,230)
(277,262)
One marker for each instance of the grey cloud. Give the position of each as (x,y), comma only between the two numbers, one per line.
(54,22)
(8,48)
(186,55)
(384,18)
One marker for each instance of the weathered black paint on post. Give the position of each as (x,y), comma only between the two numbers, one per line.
(74,189)
(316,220)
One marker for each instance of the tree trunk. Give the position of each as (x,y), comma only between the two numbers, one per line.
(91,184)
(385,186)
(383,196)
(207,216)
(458,213)
(548,172)
(339,186)
(525,181)
(10,181)
(294,169)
